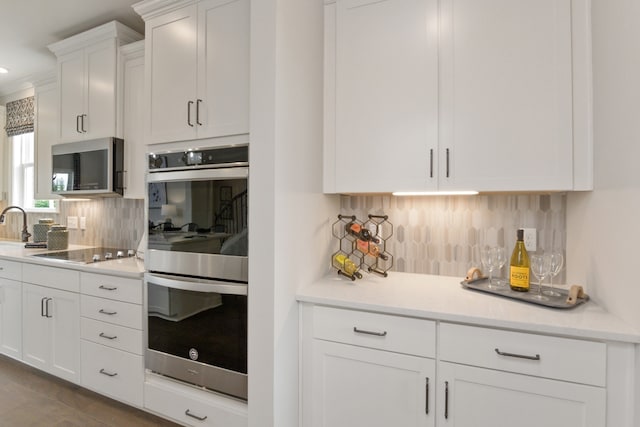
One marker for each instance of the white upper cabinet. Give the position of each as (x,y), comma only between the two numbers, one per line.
(46,133)
(487,95)
(133,119)
(382,73)
(88,82)
(197,81)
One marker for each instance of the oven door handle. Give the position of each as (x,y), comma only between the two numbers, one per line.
(198,285)
(198,174)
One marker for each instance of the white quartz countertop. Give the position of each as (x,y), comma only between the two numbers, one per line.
(124,267)
(444,298)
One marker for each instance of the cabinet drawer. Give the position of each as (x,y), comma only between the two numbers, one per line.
(113,372)
(193,407)
(112,287)
(110,335)
(544,356)
(106,310)
(10,270)
(58,278)
(382,331)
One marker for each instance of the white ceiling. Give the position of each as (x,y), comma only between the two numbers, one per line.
(28,26)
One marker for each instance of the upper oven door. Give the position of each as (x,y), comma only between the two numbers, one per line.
(198,223)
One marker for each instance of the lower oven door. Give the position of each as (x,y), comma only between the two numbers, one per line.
(197,332)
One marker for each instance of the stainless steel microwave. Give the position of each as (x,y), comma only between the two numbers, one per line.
(88,168)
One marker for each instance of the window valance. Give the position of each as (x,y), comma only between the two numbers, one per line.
(20,115)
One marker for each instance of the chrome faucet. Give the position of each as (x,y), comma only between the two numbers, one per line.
(25,233)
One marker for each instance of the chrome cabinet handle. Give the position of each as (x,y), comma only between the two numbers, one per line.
(107,288)
(109,337)
(198,101)
(82,123)
(519,356)
(189,414)
(110,313)
(107,373)
(42,307)
(448,174)
(189,104)
(431,163)
(446,400)
(78,123)
(426,399)
(46,305)
(362,331)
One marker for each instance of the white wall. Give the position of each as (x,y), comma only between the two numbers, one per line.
(603,226)
(289,215)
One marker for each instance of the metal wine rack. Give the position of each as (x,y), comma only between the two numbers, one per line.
(362,243)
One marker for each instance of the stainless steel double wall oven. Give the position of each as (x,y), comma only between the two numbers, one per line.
(197,267)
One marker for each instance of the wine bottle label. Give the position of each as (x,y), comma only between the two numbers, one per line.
(519,277)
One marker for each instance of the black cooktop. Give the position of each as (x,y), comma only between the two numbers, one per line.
(86,256)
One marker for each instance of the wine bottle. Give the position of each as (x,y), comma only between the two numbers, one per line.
(519,269)
(369,248)
(360,232)
(344,263)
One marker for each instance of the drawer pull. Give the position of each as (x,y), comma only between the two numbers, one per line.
(109,337)
(189,414)
(110,313)
(426,399)
(107,288)
(363,331)
(107,373)
(446,400)
(519,356)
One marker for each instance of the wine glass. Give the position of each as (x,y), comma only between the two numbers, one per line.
(541,268)
(487,256)
(556,266)
(499,259)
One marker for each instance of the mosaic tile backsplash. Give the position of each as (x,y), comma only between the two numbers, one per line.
(431,235)
(443,235)
(112,222)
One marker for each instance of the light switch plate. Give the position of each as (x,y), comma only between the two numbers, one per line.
(72,222)
(83,223)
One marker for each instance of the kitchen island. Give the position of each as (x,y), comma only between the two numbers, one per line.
(446,355)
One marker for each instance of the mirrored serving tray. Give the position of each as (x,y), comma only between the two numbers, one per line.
(482,285)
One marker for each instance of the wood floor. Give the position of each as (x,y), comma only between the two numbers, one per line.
(29,397)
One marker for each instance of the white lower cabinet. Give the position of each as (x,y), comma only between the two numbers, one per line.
(367,369)
(192,407)
(113,372)
(356,386)
(357,372)
(51,330)
(475,397)
(11,309)
(112,340)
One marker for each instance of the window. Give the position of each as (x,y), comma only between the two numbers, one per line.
(23,175)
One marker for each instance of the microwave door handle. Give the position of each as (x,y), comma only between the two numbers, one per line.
(196,285)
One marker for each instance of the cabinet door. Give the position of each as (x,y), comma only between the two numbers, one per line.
(470,397)
(100,101)
(71,77)
(171,58)
(355,386)
(11,318)
(36,344)
(385,85)
(46,133)
(506,94)
(133,128)
(63,310)
(223,68)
